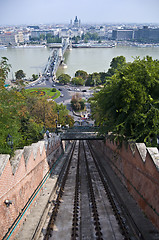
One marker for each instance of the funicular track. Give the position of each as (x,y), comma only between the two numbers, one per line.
(86,207)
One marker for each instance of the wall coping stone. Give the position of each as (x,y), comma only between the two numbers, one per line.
(154,153)
(142,150)
(14,161)
(26,152)
(4,158)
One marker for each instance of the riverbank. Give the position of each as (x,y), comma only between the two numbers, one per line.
(33,60)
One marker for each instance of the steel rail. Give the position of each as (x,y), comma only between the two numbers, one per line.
(57,202)
(123,216)
(93,201)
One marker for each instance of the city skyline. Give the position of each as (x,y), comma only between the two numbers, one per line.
(18,12)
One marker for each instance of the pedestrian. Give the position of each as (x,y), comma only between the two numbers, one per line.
(47,133)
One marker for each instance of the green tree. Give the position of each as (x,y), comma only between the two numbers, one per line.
(116,64)
(4,70)
(53,39)
(77,103)
(90,36)
(82,74)
(20,74)
(76,39)
(23,117)
(103,76)
(128,105)
(78,81)
(93,80)
(35,77)
(63,117)
(42,37)
(11,103)
(64,78)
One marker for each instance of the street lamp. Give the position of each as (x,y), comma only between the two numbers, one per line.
(94,82)
(58,115)
(66,120)
(10,141)
(56,127)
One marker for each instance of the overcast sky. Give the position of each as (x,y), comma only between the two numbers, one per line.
(88,11)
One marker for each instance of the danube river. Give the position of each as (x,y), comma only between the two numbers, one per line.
(33,60)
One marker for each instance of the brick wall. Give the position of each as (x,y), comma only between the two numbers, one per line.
(138,169)
(20,176)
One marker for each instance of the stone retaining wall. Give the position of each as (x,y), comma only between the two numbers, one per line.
(20,176)
(138,168)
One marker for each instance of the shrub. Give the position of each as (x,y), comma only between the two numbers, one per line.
(53,90)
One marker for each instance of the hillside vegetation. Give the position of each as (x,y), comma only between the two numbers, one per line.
(25,115)
(128,104)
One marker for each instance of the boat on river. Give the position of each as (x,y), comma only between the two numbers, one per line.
(93,45)
(3,47)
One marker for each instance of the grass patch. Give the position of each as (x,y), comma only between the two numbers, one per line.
(47,92)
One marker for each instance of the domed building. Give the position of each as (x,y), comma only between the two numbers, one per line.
(76,23)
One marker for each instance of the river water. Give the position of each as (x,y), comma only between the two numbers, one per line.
(34,60)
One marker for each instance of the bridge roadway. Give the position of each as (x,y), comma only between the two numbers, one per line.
(56,58)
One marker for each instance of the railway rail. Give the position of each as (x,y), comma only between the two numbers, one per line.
(87,204)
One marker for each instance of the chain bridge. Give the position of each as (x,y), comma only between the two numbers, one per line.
(56,58)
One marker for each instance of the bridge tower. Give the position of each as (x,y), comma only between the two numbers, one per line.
(65,40)
(60,55)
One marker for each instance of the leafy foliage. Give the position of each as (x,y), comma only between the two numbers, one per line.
(90,36)
(77,103)
(53,90)
(93,79)
(4,70)
(116,64)
(20,74)
(24,115)
(128,105)
(10,111)
(78,81)
(35,77)
(53,39)
(64,78)
(82,74)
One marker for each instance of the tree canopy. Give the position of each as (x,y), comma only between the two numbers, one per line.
(4,70)
(77,81)
(93,79)
(25,115)
(64,78)
(116,64)
(20,74)
(34,77)
(128,105)
(82,74)
(77,103)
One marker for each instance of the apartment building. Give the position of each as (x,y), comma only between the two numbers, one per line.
(8,38)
